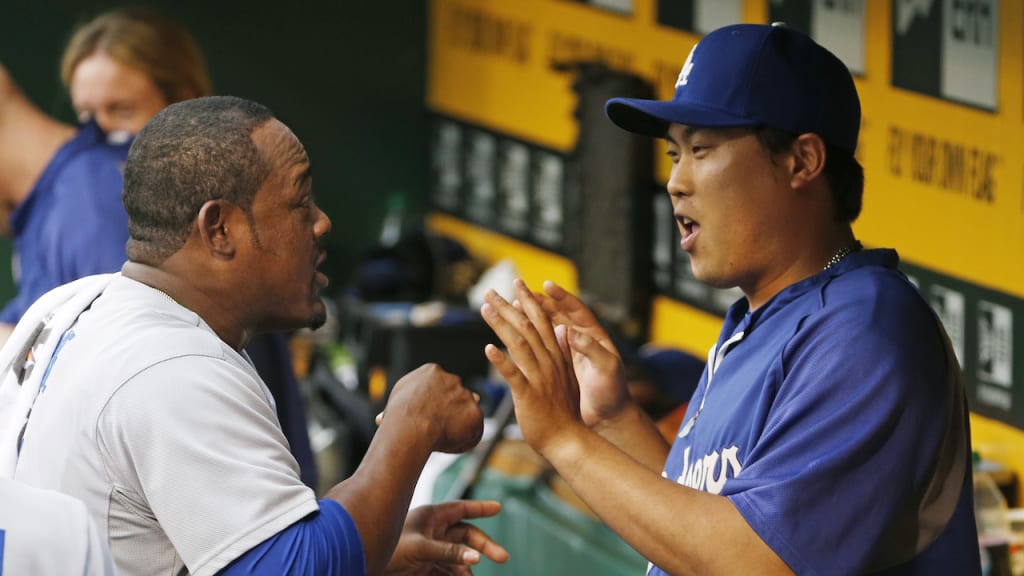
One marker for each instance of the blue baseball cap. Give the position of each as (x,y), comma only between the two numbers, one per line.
(754,75)
(673,372)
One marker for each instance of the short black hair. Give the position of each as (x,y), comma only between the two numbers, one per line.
(844,174)
(189,153)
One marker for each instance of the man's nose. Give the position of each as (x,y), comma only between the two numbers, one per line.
(323,223)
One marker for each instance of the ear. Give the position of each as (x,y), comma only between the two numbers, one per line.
(808,159)
(215,230)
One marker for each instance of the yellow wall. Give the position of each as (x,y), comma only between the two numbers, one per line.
(533,264)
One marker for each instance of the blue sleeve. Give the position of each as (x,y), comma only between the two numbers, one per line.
(76,225)
(325,543)
(852,433)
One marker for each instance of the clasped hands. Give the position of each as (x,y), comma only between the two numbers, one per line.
(561,365)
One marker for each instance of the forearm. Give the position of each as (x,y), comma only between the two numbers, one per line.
(682,530)
(28,140)
(377,495)
(634,433)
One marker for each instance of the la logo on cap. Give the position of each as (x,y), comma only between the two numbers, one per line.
(684,72)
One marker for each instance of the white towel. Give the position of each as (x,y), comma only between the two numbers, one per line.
(38,331)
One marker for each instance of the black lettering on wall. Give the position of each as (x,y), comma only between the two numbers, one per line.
(944,164)
(488,34)
(972,22)
(895,151)
(566,48)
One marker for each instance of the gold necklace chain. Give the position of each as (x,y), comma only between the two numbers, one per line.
(843,253)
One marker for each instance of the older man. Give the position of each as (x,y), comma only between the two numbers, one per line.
(148,411)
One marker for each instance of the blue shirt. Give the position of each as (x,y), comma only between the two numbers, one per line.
(72,224)
(834,420)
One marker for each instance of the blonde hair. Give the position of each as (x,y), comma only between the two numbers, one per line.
(147,40)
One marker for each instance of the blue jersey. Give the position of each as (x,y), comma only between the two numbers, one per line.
(72,224)
(834,419)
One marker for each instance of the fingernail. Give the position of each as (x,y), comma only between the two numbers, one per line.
(379,418)
(488,311)
(470,556)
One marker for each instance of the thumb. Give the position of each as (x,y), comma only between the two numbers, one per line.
(591,349)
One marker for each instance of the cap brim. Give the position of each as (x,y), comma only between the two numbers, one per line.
(652,117)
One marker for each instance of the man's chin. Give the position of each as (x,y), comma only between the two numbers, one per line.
(318,320)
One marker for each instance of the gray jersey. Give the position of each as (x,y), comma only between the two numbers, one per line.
(166,433)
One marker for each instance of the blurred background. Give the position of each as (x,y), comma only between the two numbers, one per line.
(458,143)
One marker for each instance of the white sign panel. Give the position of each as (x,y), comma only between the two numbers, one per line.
(839,26)
(950,305)
(969,40)
(624,6)
(995,344)
(711,14)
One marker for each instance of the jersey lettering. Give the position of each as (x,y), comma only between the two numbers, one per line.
(709,474)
